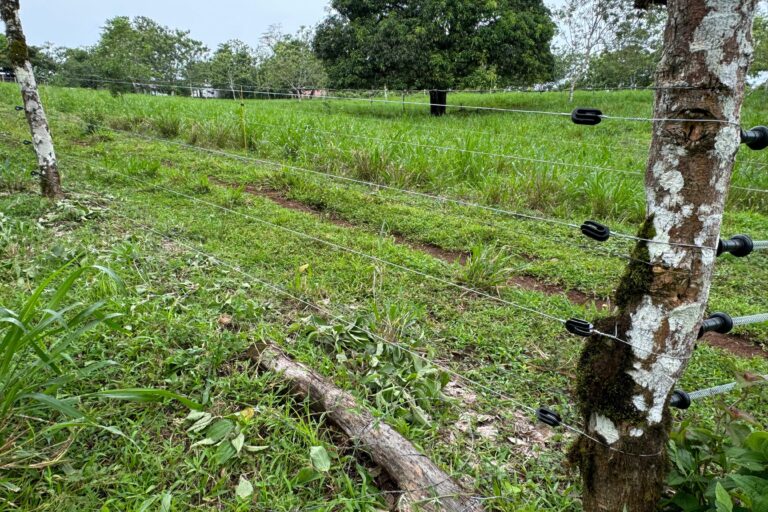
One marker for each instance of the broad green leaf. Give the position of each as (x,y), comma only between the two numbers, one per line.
(320,459)
(165,504)
(244,489)
(147,395)
(238,442)
(219,430)
(56,404)
(306,475)
(723,502)
(225,452)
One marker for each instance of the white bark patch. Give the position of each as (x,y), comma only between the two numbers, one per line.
(718,26)
(668,208)
(41,135)
(636,432)
(639,402)
(660,376)
(605,427)
(645,324)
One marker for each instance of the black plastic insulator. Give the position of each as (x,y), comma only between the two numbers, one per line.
(718,322)
(587,116)
(549,417)
(680,400)
(34,174)
(739,245)
(596,231)
(18,108)
(579,327)
(756,138)
(27,142)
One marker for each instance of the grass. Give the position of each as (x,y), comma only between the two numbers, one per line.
(189,319)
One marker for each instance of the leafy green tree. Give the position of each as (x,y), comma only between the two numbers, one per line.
(5,61)
(292,66)
(760,36)
(42,60)
(631,66)
(594,32)
(434,44)
(141,50)
(232,66)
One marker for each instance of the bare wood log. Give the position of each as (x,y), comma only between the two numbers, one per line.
(424,485)
(624,391)
(50,181)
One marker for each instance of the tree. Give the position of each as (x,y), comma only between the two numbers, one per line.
(434,44)
(292,66)
(18,55)
(624,389)
(631,66)
(141,50)
(588,29)
(233,66)
(43,62)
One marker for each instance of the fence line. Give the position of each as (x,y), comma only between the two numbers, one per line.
(406,191)
(421,103)
(403,268)
(326,311)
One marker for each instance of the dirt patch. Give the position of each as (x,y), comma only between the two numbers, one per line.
(738,345)
(575,296)
(735,344)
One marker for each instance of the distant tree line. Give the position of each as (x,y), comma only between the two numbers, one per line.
(132,53)
(437,45)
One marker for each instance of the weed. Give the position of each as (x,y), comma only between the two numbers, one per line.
(487,268)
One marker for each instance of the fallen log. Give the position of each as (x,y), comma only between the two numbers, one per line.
(422,484)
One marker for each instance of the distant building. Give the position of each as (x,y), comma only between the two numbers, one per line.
(313,93)
(206,93)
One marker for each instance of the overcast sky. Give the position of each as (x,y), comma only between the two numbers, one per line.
(78,22)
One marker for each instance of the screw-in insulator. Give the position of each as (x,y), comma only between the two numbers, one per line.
(27,142)
(739,245)
(756,138)
(549,417)
(680,400)
(724,323)
(18,109)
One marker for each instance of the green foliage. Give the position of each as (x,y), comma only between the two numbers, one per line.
(432,44)
(35,361)
(487,268)
(292,67)
(760,41)
(723,469)
(397,380)
(222,437)
(138,50)
(13,178)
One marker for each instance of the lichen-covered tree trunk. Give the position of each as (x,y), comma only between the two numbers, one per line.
(624,390)
(50,182)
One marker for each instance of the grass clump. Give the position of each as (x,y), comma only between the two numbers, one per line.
(488,268)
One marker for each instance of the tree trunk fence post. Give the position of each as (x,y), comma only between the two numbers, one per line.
(50,181)
(624,391)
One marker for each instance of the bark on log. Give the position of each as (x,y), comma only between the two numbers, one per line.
(624,391)
(424,485)
(50,181)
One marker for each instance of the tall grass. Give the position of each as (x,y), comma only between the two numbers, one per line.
(512,160)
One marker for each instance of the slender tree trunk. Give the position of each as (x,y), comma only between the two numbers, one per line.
(438,99)
(50,181)
(624,391)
